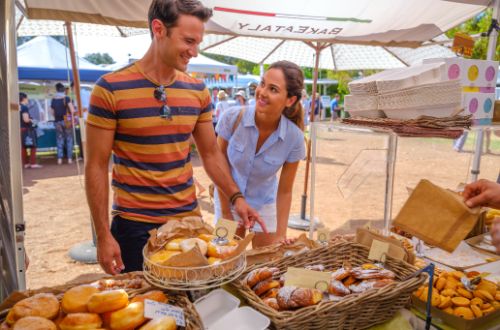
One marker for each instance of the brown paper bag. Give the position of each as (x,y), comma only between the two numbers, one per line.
(437,216)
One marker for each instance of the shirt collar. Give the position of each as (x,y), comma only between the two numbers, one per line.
(248,120)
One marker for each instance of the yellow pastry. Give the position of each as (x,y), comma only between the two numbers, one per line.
(34,323)
(174,245)
(80,321)
(128,318)
(460,301)
(163,323)
(107,301)
(464,312)
(161,256)
(188,244)
(75,299)
(206,237)
(43,304)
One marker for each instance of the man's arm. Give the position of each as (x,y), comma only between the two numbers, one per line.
(217,168)
(482,193)
(98,151)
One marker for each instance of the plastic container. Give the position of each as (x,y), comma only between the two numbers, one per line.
(219,311)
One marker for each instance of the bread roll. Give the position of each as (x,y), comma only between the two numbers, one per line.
(75,299)
(188,244)
(161,256)
(155,295)
(107,301)
(44,305)
(128,318)
(34,323)
(220,251)
(81,321)
(174,245)
(290,297)
(163,323)
(206,237)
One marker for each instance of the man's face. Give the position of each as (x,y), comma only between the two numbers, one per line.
(182,41)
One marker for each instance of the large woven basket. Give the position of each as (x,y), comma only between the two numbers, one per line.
(179,299)
(357,311)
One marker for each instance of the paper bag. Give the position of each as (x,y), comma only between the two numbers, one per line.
(396,248)
(437,216)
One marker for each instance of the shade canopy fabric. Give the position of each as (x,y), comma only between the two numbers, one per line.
(383,22)
(333,57)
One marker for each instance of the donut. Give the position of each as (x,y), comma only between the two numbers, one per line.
(128,318)
(75,299)
(107,301)
(188,244)
(80,321)
(34,323)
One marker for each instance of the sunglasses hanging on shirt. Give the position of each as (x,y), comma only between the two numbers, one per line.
(161,95)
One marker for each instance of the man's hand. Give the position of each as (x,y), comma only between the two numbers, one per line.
(109,255)
(482,193)
(495,234)
(248,215)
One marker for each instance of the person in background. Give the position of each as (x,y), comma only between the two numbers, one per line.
(85,99)
(318,108)
(306,105)
(335,107)
(28,134)
(221,106)
(241,99)
(485,193)
(260,142)
(63,110)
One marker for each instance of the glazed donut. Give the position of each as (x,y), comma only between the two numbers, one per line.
(34,323)
(75,299)
(107,301)
(80,321)
(128,318)
(163,323)
(44,305)
(188,244)
(155,295)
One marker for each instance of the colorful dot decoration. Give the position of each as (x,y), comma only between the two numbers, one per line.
(473,105)
(473,72)
(454,71)
(489,74)
(488,105)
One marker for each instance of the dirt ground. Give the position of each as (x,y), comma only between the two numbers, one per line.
(349,191)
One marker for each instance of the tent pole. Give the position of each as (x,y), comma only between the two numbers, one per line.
(74,66)
(490,55)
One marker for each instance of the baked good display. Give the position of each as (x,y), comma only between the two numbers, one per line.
(34,323)
(163,323)
(80,321)
(75,299)
(451,296)
(107,301)
(44,305)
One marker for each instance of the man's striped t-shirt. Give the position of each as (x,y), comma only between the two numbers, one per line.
(152,171)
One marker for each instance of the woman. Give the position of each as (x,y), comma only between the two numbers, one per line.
(259,142)
(240,98)
(62,107)
(28,134)
(220,107)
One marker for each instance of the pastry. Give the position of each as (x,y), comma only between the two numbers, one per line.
(271,302)
(271,293)
(174,245)
(220,251)
(43,304)
(80,321)
(338,288)
(75,299)
(341,274)
(264,286)
(364,274)
(318,268)
(487,286)
(107,301)
(163,323)
(188,244)
(206,237)
(369,284)
(259,275)
(161,256)
(214,261)
(155,295)
(464,312)
(34,323)
(290,297)
(128,318)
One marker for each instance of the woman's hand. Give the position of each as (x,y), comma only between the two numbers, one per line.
(288,240)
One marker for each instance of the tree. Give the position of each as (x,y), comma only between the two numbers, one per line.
(99,58)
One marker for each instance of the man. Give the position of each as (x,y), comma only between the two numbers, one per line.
(485,193)
(145,113)
(335,108)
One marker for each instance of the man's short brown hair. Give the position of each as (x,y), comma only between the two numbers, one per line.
(168,11)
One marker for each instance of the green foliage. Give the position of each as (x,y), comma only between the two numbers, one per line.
(99,58)
(243,66)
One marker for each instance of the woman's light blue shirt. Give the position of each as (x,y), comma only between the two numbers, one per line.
(256,173)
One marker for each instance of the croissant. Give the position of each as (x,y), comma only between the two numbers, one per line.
(264,286)
(338,288)
(318,267)
(290,297)
(272,302)
(341,273)
(364,274)
(369,284)
(259,275)
(271,293)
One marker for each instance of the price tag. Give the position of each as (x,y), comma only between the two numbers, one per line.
(323,235)
(225,228)
(378,250)
(305,278)
(155,310)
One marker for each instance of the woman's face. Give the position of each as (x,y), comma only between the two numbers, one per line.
(271,95)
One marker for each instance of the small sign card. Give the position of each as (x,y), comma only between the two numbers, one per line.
(323,235)
(156,310)
(378,250)
(225,228)
(305,278)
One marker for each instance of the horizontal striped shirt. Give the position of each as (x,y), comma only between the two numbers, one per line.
(152,171)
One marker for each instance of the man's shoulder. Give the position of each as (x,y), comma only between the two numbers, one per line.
(127,73)
(185,81)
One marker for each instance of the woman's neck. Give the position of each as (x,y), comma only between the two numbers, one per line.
(267,123)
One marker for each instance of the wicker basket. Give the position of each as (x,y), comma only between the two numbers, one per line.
(193,320)
(356,311)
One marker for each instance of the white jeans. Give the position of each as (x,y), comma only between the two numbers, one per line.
(267,212)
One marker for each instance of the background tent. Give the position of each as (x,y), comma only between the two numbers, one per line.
(45,58)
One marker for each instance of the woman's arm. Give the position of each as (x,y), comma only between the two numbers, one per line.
(284,198)
(224,200)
